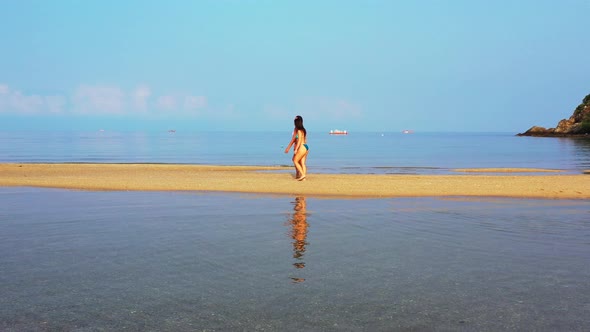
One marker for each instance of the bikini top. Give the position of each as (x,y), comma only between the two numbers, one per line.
(296,136)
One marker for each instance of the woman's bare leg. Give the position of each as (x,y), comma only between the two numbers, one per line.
(297,174)
(298,168)
(304,163)
(302,153)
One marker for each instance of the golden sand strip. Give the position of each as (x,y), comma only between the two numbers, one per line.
(267,180)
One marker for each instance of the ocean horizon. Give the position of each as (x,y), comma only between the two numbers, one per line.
(362,152)
(142,99)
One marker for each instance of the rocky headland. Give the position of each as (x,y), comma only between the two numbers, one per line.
(576,126)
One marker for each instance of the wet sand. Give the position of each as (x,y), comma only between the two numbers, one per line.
(280,180)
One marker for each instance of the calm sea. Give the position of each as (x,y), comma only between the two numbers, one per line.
(353,153)
(197,261)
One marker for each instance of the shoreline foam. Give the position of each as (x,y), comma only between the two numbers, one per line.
(263,180)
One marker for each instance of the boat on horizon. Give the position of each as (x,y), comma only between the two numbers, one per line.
(338,132)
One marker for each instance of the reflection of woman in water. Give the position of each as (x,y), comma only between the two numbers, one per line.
(299,231)
(300,150)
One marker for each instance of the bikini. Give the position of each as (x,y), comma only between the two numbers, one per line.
(305,144)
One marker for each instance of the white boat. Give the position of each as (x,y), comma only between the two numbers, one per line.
(338,132)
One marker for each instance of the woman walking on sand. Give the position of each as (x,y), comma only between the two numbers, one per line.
(300,150)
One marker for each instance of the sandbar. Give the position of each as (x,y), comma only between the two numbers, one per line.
(508,170)
(280,180)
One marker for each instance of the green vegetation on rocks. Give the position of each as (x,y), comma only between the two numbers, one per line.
(577,125)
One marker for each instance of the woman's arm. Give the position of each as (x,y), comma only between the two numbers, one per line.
(291,143)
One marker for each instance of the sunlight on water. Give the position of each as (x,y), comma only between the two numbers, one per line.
(366,153)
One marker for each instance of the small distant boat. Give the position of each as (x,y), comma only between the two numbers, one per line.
(172,130)
(408,131)
(338,132)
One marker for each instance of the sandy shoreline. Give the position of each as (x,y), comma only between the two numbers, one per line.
(279,180)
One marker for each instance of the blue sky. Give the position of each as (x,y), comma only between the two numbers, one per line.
(425,65)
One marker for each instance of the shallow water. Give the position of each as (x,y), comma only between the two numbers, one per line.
(366,153)
(153,261)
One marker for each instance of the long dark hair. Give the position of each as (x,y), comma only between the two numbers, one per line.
(299,124)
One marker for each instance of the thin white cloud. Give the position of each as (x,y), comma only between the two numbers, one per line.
(26,103)
(103,100)
(140,97)
(327,107)
(229,111)
(15,101)
(167,103)
(55,104)
(193,103)
(98,99)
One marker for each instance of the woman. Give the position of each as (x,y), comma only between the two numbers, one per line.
(300,150)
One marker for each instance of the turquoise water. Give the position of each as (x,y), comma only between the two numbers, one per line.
(354,153)
(153,261)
